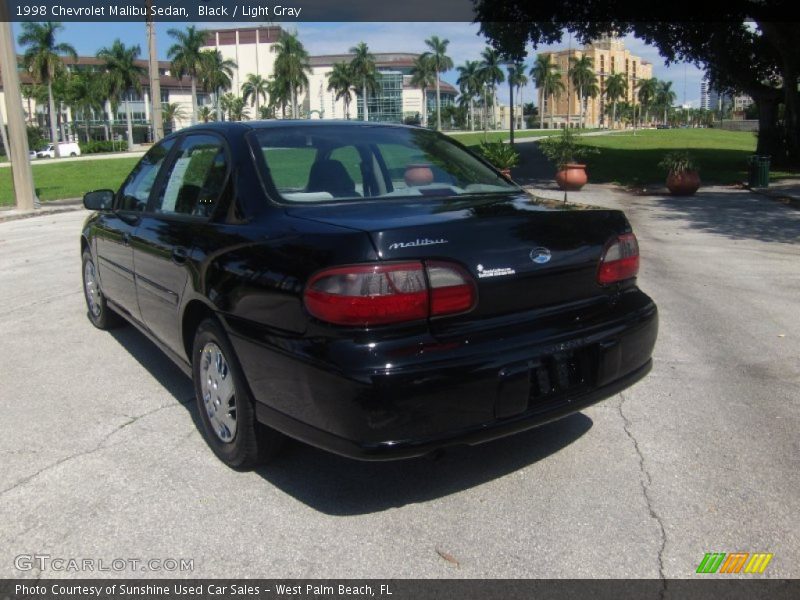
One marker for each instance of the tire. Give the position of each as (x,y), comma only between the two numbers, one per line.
(224,403)
(97,308)
(72,154)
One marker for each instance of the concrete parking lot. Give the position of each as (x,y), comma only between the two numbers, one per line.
(101,457)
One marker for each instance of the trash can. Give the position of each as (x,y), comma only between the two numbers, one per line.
(758,171)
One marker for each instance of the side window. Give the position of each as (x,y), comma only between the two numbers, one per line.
(196,178)
(136,190)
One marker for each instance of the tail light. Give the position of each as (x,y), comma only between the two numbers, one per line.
(383,293)
(620,260)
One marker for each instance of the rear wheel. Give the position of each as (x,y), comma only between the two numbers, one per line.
(224,403)
(100,314)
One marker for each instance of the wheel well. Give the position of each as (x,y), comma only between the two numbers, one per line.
(195,313)
(84,245)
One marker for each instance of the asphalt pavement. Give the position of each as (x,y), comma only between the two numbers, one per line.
(101,457)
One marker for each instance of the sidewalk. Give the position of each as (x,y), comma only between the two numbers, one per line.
(786,191)
(48,208)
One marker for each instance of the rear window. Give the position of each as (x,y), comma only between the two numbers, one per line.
(324,164)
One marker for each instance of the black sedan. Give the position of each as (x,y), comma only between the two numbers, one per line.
(378,291)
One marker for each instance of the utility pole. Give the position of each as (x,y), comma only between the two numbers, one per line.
(155,81)
(17,150)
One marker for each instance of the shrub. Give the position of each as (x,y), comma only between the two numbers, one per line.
(564,148)
(98,146)
(502,156)
(678,162)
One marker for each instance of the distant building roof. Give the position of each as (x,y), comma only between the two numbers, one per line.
(247,35)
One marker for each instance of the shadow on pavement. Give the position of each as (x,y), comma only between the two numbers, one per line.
(339,486)
(738,216)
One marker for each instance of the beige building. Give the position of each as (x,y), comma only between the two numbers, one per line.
(609,56)
(397,99)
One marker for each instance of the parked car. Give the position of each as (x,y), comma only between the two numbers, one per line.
(65,148)
(31,154)
(377,291)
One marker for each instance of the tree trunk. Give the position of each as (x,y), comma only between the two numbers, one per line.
(770,142)
(552,111)
(471,114)
(614,115)
(580,107)
(541,108)
(294,102)
(130,125)
(438,105)
(53,125)
(194,100)
(364,96)
(424,107)
(218,101)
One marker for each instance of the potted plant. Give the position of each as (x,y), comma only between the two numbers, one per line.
(565,151)
(682,176)
(502,156)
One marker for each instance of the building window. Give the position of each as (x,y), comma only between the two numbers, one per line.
(387,104)
(602,63)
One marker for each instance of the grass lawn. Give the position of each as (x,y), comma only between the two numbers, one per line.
(721,156)
(71,179)
(473,139)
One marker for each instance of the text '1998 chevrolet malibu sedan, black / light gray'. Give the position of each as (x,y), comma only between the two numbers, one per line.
(374,290)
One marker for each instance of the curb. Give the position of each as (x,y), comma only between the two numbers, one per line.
(783,198)
(58,206)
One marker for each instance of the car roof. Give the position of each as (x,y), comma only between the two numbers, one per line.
(234,126)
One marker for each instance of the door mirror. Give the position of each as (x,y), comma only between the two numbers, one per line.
(99,200)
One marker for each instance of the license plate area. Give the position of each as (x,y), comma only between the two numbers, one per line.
(561,376)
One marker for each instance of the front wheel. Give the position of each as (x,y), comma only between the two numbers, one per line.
(100,314)
(224,403)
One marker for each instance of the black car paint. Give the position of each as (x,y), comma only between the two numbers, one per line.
(392,391)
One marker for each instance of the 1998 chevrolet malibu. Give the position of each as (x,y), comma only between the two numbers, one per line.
(374,290)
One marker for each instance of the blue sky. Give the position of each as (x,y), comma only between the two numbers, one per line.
(331,38)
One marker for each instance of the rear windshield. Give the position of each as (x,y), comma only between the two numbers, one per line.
(324,164)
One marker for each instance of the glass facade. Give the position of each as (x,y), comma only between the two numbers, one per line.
(386,105)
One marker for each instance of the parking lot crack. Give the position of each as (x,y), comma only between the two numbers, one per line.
(645,481)
(101,445)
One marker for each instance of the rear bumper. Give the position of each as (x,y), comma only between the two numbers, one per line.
(403,398)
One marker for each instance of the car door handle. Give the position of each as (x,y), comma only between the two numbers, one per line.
(180,254)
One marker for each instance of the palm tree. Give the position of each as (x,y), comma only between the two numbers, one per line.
(441,63)
(42,58)
(187,57)
(291,65)
(517,80)
(423,75)
(253,89)
(470,83)
(122,75)
(279,93)
(581,73)
(236,109)
(363,67)
(616,86)
(225,103)
(29,92)
(648,88)
(555,86)
(206,114)
(665,97)
(172,112)
(492,74)
(542,73)
(215,75)
(84,94)
(340,82)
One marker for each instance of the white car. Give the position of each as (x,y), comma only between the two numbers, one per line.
(66,149)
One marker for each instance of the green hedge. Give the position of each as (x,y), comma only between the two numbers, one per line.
(97,146)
